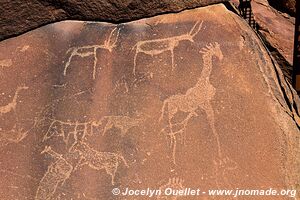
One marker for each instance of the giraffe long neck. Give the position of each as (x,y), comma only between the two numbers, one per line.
(207,66)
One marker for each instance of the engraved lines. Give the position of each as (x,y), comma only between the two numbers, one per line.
(124,123)
(57,173)
(91,50)
(196,97)
(158,46)
(5,63)
(80,130)
(13,104)
(98,160)
(67,129)
(174,183)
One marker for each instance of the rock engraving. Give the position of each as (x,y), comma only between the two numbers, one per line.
(199,96)
(159,46)
(98,160)
(13,104)
(58,172)
(91,50)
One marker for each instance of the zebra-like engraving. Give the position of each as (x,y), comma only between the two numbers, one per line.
(58,172)
(159,46)
(199,96)
(98,160)
(91,50)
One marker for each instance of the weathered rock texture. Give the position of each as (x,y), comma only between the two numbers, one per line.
(19,16)
(179,100)
(277,30)
(287,6)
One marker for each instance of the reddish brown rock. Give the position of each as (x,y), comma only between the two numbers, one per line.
(277,30)
(19,16)
(287,6)
(188,100)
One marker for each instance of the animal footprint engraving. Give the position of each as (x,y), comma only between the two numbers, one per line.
(173,183)
(98,160)
(222,166)
(58,172)
(159,46)
(199,96)
(91,50)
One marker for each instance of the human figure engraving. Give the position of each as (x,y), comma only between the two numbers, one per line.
(58,172)
(91,50)
(199,96)
(159,46)
(98,160)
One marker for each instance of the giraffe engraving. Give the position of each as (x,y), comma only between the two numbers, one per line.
(13,104)
(57,173)
(91,50)
(199,96)
(98,160)
(158,46)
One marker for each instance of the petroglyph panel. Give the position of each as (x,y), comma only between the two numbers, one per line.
(173,101)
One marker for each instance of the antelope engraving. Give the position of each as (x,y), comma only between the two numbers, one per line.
(98,160)
(159,46)
(58,172)
(173,183)
(13,104)
(91,50)
(196,97)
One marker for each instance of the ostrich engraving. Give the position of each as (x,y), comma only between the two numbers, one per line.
(13,104)
(159,46)
(91,50)
(199,96)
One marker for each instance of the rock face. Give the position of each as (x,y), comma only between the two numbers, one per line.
(287,6)
(19,16)
(178,100)
(277,30)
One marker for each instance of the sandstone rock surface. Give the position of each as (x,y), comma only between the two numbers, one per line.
(277,30)
(18,16)
(178,100)
(287,6)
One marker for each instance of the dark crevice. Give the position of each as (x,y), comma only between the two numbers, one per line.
(72,12)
